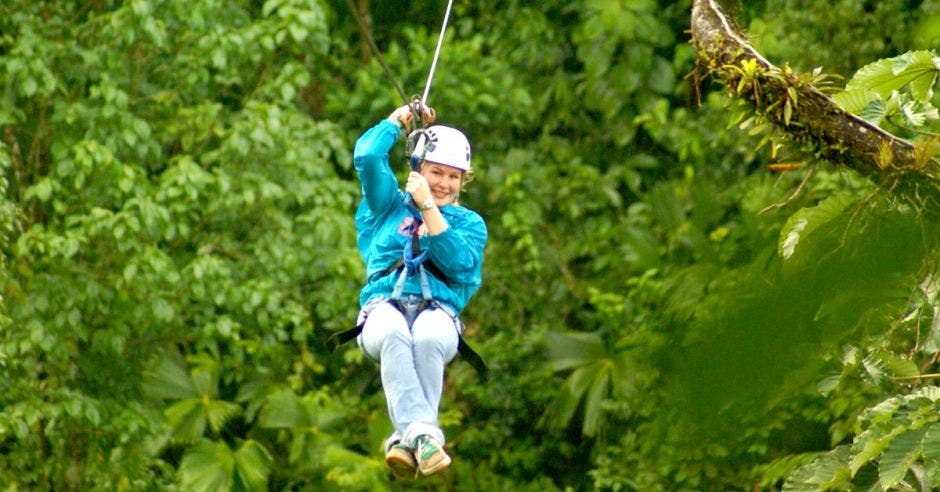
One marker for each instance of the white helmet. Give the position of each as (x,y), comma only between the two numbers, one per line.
(443,145)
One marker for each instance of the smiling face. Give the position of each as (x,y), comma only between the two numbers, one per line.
(444,181)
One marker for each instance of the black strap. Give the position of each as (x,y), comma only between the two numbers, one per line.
(342,337)
(463,348)
(472,358)
(429,267)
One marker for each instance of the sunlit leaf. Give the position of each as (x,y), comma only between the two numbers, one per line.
(874,112)
(219,412)
(885,76)
(207,467)
(826,472)
(854,101)
(187,420)
(252,466)
(931,443)
(898,457)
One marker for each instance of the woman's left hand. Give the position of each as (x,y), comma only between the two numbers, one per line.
(418,186)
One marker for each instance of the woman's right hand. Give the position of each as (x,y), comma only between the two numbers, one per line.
(405,116)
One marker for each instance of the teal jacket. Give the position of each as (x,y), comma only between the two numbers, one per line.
(385,216)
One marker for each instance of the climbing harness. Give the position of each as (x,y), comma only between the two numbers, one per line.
(410,311)
(413,259)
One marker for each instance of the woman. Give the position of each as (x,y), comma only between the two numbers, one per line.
(424,255)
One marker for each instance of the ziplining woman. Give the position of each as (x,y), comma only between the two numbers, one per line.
(424,256)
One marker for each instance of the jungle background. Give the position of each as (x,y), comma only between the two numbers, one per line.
(675,297)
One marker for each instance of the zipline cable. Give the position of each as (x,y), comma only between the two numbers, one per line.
(437,52)
(421,112)
(388,72)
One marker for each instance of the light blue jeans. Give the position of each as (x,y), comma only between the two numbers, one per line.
(411,362)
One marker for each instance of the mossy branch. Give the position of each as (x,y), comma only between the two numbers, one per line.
(795,104)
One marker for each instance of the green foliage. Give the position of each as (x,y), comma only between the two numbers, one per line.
(898,433)
(596,371)
(805,221)
(197,399)
(212,465)
(839,35)
(658,312)
(898,90)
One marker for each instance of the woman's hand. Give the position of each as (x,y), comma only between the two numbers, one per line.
(405,115)
(418,187)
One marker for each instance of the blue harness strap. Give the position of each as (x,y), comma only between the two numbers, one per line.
(413,262)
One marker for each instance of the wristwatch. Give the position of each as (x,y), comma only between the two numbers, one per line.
(426,205)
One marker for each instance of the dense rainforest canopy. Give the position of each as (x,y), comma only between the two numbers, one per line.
(687,285)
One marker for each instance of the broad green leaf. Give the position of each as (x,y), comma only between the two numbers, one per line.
(205,381)
(187,420)
(882,412)
(594,400)
(899,366)
(898,457)
(892,74)
(871,443)
(168,381)
(306,447)
(283,410)
(252,466)
(572,392)
(932,340)
(826,472)
(568,350)
(917,113)
(874,112)
(207,467)
(923,65)
(219,412)
(931,393)
(931,443)
(804,222)
(854,101)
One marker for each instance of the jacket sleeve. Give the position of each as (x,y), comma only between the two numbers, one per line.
(379,186)
(458,251)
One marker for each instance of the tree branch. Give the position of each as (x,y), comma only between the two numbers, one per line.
(807,115)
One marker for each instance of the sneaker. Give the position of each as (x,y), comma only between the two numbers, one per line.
(431,456)
(401,460)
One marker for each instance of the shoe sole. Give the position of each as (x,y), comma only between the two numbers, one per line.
(401,467)
(437,467)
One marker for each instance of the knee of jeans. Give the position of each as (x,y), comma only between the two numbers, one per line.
(384,325)
(435,330)
(397,334)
